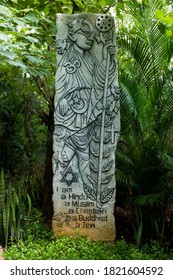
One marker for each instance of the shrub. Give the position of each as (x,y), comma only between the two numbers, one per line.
(15,205)
(42,244)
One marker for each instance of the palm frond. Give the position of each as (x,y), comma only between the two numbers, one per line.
(134,104)
(123,159)
(139,227)
(165,112)
(149,200)
(124,179)
(166,161)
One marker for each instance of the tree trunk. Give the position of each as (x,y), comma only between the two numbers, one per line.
(47,205)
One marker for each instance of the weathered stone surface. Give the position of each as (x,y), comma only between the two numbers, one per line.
(1,253)
(87,125)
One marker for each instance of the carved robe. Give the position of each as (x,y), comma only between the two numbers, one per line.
(82,90)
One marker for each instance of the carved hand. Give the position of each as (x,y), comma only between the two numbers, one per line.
(63,106)
(110,48)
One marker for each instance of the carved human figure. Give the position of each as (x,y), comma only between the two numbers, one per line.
(80,81)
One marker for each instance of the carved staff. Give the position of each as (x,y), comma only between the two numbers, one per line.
(104,23)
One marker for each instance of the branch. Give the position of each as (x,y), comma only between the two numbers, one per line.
(41,6)
(47,3)
(100,7)
(47,90)
(14,4)
(41,89)
(107,10)
(43,116)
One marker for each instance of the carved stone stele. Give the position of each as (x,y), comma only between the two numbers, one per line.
(87,125)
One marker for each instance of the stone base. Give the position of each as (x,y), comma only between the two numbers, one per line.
(94,230)
(94,235)
(77,214)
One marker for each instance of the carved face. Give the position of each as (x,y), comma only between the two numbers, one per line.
(84,37)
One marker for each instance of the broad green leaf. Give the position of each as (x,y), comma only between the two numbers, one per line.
(35,59)
(5,11)
(19,21)
(168,20)
(168,32)
(32,17)
(10,55)
(4,37)
(103,2)
(32,39)
(159,14)
(79,4)
(27,10)
(17,63)
(120,5)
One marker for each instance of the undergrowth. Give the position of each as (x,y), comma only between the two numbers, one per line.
(42,244)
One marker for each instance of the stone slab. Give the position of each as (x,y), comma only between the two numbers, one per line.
(87,125)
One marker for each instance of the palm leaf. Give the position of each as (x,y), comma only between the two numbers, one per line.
(124,179)
(166,160)
(2,190)
(139,228)
(165,112)
(149,200)
(6,216)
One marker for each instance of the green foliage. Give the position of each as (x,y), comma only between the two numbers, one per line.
(28,63)
(15,203)
(41,244)
(145,149)
(22,40)
(139,226)
(22,135)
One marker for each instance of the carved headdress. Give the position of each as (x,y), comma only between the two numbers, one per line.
(79,24)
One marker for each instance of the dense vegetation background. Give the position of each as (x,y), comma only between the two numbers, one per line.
(144,167)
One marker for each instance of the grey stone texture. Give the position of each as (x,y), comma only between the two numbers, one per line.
(87,126)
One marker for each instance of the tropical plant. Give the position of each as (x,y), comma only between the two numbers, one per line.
(41,244)
(15,204)
(145,151)
(144,157)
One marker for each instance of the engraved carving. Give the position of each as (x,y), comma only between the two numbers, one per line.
(86,115)
(62,218)
(104,23)
(87,105)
